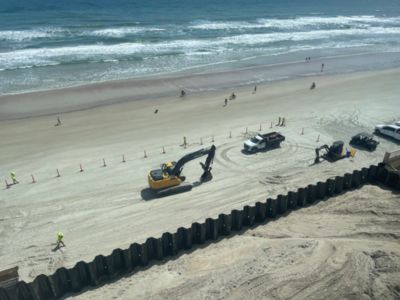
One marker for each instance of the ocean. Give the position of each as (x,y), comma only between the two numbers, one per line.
(47,44)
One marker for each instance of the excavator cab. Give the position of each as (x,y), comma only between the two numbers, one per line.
(168,180)
(164,178)
(168,167)
(336,150)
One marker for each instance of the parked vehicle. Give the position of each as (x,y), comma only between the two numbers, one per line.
(392,131)
(263,142)
(364,140)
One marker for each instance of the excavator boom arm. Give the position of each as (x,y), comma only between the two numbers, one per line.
(191,156)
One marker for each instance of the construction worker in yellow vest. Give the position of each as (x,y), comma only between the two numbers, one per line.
(13,178)
(60,237)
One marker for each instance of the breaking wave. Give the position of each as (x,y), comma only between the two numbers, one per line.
(48,33)
(108,52)
(298,23)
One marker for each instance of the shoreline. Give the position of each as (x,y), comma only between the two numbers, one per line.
(89,96)
(228,66)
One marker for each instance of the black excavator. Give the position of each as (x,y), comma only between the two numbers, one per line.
(168,180)
(332,153)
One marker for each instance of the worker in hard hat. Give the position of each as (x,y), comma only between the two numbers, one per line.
(60,237)
(13,178)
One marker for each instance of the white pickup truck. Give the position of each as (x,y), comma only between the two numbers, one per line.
(263,141)
(392,131)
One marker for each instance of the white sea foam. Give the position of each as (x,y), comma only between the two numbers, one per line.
(111,60)
(251,39)
(24,35)
(41,33)
(205,25)
(102,52)
(119,32)
(351,21)
(298,23)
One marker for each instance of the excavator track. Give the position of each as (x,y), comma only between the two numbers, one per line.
(184,187)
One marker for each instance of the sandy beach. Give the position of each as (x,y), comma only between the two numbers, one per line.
(305,255)
(309,254)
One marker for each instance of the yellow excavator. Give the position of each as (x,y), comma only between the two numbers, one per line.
(332,153)
(168,180)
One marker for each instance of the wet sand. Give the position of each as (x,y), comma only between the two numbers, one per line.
(196,81)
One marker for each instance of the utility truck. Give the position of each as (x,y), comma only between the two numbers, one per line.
(261,142)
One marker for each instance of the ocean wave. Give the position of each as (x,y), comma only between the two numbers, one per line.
(46,33)
(297,23)
(119,32)
(271,52)
(102,52)
(217,25)
(251,39)
(26,35)
(351,21)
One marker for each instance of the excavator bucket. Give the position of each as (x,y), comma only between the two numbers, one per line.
(206,176)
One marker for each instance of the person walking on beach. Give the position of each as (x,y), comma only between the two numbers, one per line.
(312,86)
(255,89)
(226,102)
(58,122)
(14,178)
(60,237)
(322,67)
(183,93)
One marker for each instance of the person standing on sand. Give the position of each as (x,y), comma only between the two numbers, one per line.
(255,89)
(183,93)
(312,86)
(226,102)
(322,67)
